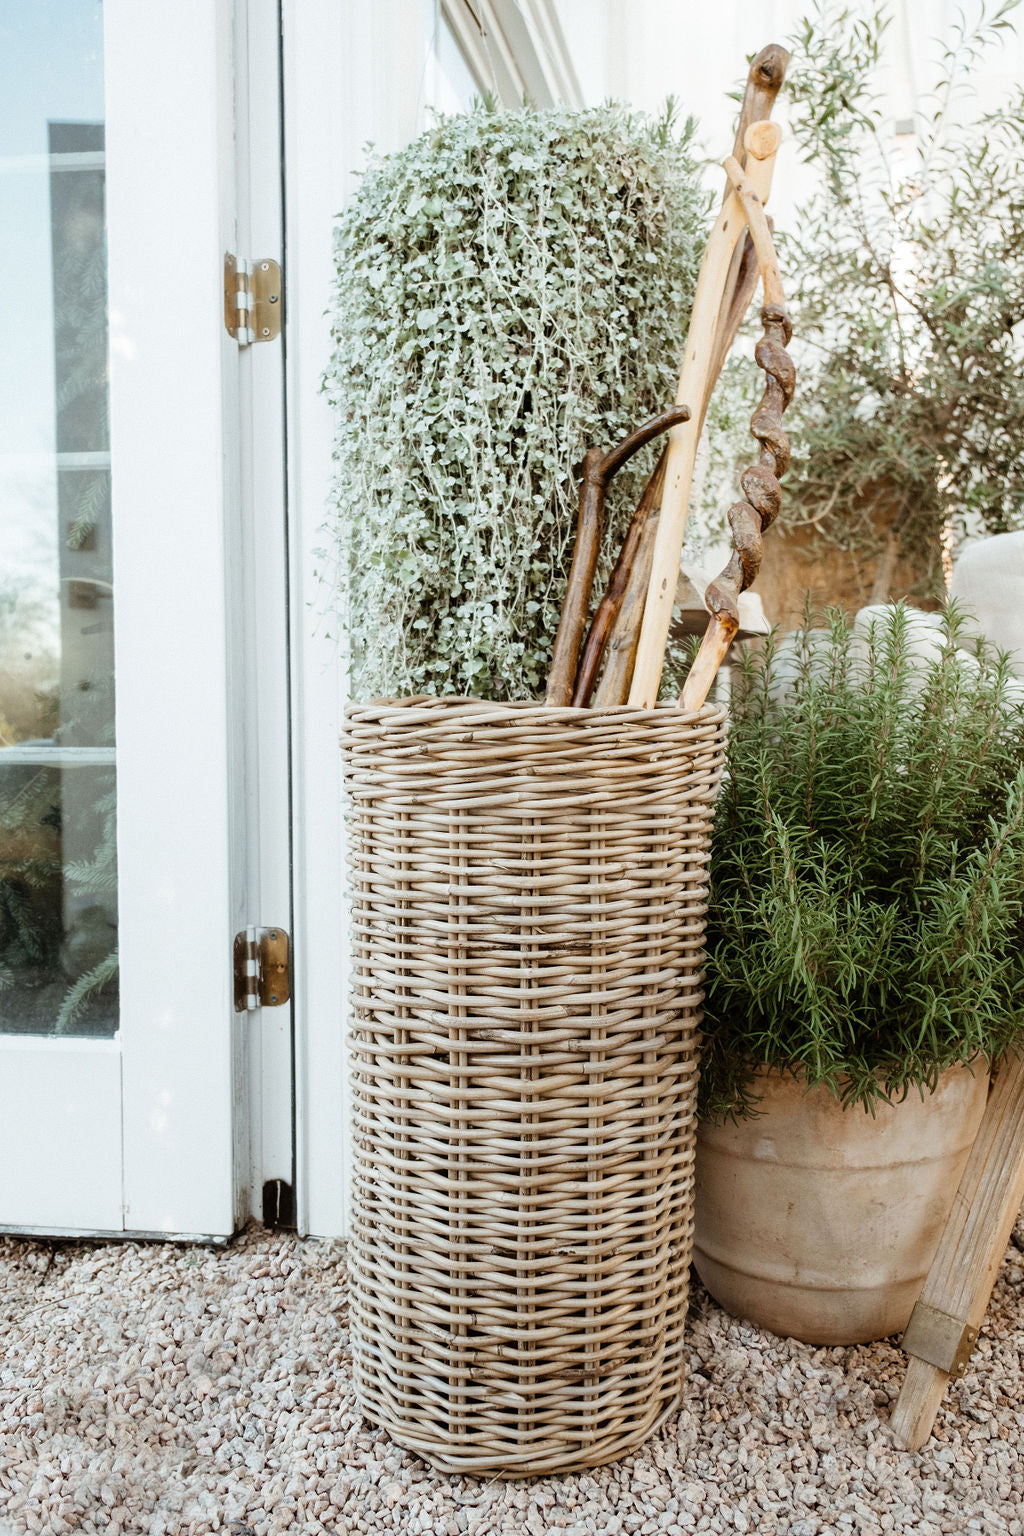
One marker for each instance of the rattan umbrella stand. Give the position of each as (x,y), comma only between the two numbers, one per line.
(528,889)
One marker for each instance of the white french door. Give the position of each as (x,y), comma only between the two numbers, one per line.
(143,621)
(162,618)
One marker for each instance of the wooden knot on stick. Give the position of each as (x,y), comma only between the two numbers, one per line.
(748,519)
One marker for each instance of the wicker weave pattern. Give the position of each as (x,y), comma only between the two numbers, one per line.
(528,890)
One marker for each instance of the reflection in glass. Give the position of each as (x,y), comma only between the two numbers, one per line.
(58,877)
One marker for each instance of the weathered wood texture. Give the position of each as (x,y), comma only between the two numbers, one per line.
(972,1246)
(610,606)
(620,651)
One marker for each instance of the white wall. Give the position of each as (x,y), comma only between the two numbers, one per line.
(641,51)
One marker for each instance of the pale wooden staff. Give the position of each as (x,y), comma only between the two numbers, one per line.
(749,518)
(948,1316)
(762,141)
(621,613)
(633,574)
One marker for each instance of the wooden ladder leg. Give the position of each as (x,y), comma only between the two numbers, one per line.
(955,1295)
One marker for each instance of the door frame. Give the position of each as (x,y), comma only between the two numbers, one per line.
(352,74)
(174,389)
(230,677)
(217,412)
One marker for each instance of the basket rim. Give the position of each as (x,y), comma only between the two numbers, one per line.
(407,707)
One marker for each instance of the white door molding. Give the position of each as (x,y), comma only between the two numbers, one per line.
(515,49)
(170,197)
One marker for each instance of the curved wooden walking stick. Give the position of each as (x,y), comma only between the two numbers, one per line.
(750,518)
(598,470)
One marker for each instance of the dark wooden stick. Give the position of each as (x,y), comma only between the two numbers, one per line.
(620,651)
(598,469)
(610,606)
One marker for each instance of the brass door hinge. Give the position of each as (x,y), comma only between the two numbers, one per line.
(262,969)
(253,299)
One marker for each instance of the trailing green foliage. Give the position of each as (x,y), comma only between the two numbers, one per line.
(866,925)
(512,287)
(906,272)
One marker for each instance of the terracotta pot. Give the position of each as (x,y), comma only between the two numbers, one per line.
(819,1222)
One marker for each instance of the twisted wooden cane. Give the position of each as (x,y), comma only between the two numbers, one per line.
(750,518)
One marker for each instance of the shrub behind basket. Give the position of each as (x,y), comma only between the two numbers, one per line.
(512,287)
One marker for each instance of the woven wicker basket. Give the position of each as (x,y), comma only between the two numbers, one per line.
(529,893)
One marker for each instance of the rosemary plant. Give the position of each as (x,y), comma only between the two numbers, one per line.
(512,287)
(866,925)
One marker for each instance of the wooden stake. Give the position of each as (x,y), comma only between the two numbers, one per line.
(762,142)
(971,1248)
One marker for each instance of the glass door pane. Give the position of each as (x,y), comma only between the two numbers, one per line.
(58,878)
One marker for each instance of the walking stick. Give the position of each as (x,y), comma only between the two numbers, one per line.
(615,632)
(598,470)
(749,519)
(762,142)
(611,604)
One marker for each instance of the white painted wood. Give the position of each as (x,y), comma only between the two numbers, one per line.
(325,81)
(170,180)
(352,75)
(258,605)
(60,1134)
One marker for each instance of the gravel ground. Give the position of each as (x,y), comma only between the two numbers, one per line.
(173,1391)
